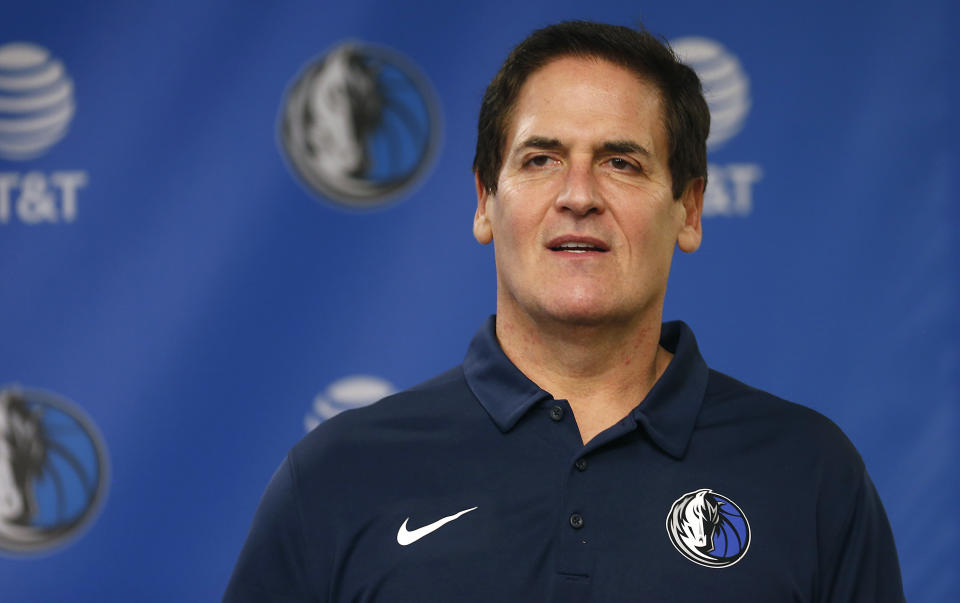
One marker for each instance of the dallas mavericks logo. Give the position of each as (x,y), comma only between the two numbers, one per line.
(53,471)
(708,529)
(360,125)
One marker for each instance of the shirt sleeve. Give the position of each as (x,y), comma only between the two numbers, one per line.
(858,561)
(273,562)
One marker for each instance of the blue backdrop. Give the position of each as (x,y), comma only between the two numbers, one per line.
(189,279)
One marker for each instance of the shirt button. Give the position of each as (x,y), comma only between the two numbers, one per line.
(576,521)
(581,464)
(556,413)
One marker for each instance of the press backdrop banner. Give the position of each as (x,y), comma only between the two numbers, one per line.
(222,223)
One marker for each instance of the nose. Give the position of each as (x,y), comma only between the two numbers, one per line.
(580,193)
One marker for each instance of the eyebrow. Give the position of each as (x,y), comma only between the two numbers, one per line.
(610,146)
(625,147)
(539,142)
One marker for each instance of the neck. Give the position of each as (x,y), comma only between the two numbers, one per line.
(602,369)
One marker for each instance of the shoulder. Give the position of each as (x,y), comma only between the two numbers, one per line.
(424,410)
(444,394)
(783,447)
(756,416)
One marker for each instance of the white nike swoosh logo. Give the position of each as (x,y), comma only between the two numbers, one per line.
(404,537)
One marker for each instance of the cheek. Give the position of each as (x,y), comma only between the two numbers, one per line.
(669,219)
(512,239)
(514,225)
(652,238)
(646,223)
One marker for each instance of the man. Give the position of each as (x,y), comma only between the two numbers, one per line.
(581,452)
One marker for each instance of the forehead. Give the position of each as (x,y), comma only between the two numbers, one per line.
(587,97)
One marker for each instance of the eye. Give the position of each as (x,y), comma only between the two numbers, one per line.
(540,160)
(622,165)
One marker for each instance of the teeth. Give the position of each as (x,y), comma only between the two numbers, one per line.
(577,247)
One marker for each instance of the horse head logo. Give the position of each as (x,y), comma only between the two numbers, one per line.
(343,108)
(52,470)
(22,456)
(708,528)
(697,519)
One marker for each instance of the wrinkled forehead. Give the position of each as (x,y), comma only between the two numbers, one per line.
(535,100)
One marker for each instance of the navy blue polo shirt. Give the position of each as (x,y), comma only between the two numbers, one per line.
(475,486)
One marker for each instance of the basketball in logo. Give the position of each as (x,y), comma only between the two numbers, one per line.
(708,529)
(36,101)
(53,471)
(726,87)
(360,125)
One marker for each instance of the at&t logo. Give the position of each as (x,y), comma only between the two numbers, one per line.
(727,91)
(36,107)
(343,394)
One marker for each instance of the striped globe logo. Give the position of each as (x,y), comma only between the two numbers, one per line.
(353,391)
(36,101)
(725,85)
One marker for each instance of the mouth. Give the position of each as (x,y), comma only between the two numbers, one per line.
(579,245)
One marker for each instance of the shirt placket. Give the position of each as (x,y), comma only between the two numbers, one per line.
(581,506)
(574,558)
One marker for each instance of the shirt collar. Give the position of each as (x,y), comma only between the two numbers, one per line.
(668,413)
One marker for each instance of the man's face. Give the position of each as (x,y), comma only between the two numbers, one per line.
(583,221)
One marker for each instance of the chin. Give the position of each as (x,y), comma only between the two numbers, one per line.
(582,311)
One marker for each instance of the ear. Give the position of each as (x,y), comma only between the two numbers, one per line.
(688,240)
(482,231)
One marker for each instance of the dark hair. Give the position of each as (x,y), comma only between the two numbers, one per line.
(686,116)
